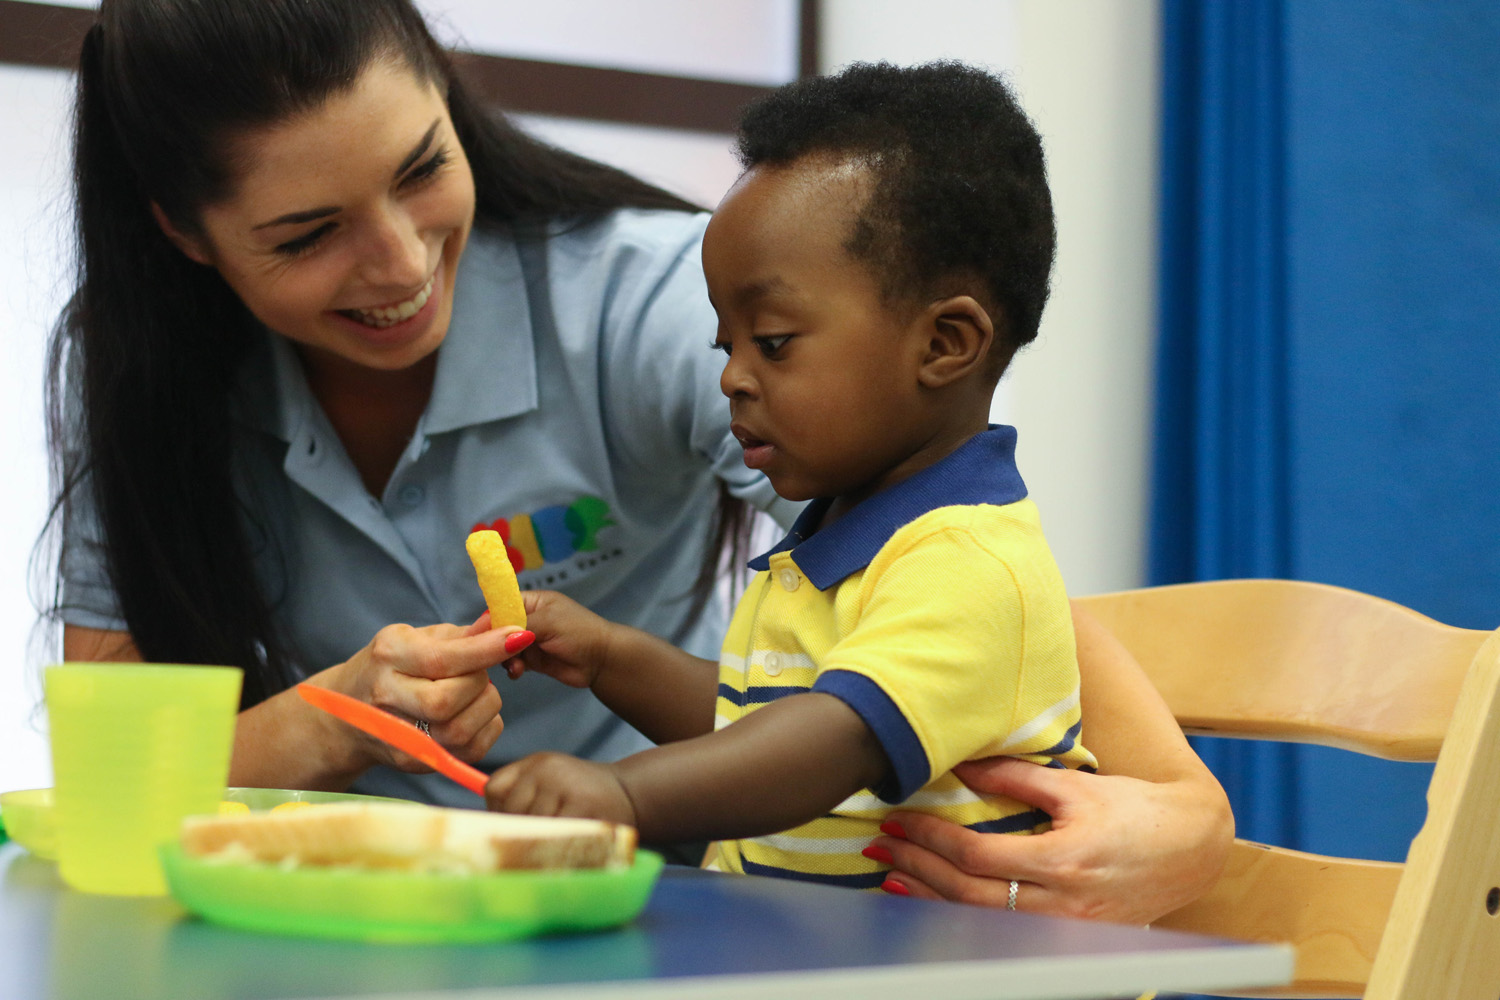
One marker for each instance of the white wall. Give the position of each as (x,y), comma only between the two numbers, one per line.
(34,259)
(1086,71)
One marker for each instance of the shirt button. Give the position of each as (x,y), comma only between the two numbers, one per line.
(773,664)
(790,579)
(412,495)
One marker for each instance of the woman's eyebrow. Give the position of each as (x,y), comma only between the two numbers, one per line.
(308,215)
(418,149)
(313,214)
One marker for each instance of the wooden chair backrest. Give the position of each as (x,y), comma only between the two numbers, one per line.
(1304,662)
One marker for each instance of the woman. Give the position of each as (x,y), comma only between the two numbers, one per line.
(330,317)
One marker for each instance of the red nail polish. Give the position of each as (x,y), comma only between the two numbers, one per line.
(895,888)
(879,854)
(893,829)
(517,641)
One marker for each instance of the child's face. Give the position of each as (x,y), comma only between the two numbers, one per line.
(822,371)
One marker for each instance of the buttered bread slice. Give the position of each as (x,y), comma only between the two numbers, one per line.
(409,838)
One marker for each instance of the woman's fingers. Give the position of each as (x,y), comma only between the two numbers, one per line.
(473,729)
(1048,789)
(962,851)
(444,650)
(936,882)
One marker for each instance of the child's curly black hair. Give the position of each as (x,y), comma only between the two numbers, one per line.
(960,180)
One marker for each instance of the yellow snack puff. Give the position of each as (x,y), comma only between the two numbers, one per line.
(229,808)
(497,578)
(295,804)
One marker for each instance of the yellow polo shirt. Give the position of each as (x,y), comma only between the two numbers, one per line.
(935,610)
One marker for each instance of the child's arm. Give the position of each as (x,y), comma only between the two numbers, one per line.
(662,691)
(778,767)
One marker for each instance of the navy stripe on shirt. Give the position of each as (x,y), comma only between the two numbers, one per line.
(910,768)
(1012,824)
(864,880)
(1068,742)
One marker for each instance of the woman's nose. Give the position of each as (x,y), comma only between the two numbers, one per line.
(395,253)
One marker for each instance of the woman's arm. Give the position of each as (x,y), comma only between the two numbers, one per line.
(1146,835)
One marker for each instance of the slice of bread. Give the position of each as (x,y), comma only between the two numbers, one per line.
(409,838)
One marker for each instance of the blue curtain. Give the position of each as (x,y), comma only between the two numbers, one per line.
(1328,398)
(1220,478)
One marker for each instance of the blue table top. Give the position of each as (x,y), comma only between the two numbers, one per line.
(701,935)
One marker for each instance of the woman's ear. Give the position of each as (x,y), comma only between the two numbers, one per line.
(959,335)
(193,248)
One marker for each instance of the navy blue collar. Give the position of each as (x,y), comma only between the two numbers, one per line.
(981,470)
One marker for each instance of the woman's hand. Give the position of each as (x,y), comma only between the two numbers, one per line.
(572,643)
(1120,849)
(435,675)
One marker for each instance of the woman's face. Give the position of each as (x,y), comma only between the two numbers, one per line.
(347,223)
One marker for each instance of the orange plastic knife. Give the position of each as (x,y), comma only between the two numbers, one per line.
(398,733)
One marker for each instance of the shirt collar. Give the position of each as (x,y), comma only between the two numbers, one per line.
(486,367)
(980,471)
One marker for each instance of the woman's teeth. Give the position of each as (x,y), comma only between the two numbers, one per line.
(391,315)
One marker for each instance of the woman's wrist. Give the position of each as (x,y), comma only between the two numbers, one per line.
(283,742)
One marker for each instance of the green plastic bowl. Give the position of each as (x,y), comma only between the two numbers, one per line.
(28,820)
(392,906)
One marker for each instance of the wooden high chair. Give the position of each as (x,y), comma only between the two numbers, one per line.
(1308,663)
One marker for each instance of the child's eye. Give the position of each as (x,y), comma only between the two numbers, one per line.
(770,346)
(302,244)
(424,170)
(721,345)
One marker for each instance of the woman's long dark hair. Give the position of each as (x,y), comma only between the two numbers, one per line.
(156,338)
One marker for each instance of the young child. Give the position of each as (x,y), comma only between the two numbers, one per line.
(875,268)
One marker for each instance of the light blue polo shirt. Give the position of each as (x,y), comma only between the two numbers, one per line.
(577,400)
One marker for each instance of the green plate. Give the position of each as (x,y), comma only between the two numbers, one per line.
(30,824)
(409,907)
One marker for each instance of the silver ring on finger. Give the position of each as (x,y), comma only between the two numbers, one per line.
(427,731)
(1010,901)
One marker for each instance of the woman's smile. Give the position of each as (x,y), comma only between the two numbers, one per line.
(396,323)
(390,314)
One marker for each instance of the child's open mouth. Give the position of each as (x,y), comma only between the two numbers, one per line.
(757,452)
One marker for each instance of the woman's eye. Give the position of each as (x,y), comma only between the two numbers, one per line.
(426,169)
(302,244)
(770,346)
(722,345)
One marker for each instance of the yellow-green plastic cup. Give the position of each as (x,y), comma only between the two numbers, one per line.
(135,748)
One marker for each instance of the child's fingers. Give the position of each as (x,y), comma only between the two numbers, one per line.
(497,791)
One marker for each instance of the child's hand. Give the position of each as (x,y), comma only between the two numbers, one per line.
(554,784)
(570,644)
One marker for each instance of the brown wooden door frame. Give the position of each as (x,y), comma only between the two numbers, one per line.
(41,34)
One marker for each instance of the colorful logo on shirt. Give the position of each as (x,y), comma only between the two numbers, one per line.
(552,534)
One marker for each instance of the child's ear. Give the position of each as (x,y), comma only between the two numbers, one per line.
(193,248)
(959,334)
